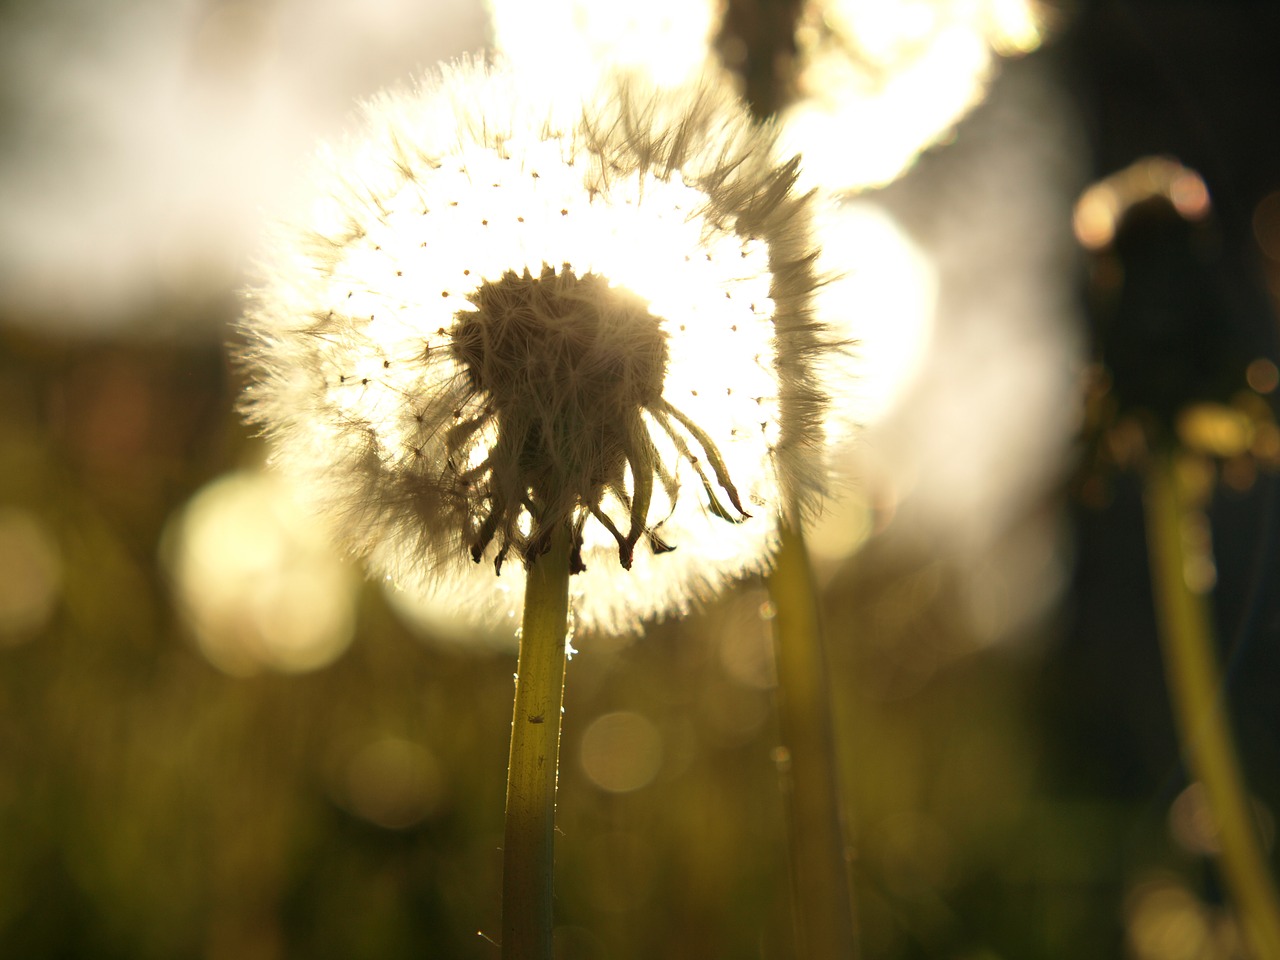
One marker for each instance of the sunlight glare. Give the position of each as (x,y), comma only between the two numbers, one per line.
(955,472)
(565,41)
(142,163)
(883,300)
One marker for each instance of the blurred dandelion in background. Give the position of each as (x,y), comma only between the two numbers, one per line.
(1170,394)
(569,44)
(877,83)
(962,272)
(1103,205)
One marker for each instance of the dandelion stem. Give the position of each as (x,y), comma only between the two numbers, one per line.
(1195,689)
(527,864)
(821,890)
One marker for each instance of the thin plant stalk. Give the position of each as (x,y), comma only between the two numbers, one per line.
(820,880)
(528,847)
(1196,692)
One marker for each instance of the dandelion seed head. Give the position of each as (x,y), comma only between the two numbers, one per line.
(502,315)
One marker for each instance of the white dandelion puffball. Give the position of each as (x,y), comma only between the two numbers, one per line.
(504,316)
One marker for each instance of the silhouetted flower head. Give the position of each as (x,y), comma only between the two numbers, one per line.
(503,315)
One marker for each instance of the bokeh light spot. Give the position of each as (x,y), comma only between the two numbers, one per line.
(257,578)
(1094,219)
(1262,376)
(1165,921)
(1189,195)
(621,752)
(394,783)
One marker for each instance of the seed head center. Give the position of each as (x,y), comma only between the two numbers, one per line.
(571,357)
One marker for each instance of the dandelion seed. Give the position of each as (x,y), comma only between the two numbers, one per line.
(635,363)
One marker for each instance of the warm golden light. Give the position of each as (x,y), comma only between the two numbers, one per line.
(257,578)
(1215,429)
(881,81)
(438,623)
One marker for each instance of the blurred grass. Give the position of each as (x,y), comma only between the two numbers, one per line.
(152,807)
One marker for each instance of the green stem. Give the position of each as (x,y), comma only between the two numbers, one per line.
(527,858)
(820,882)
(1195,689)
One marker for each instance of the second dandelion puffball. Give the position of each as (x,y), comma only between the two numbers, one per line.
(505,315)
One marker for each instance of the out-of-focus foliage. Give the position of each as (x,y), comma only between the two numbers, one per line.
(154,806)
